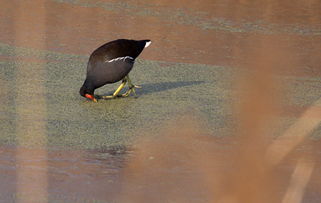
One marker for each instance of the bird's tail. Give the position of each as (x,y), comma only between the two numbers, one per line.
(147,42)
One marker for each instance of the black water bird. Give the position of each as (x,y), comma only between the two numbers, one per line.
(111,63)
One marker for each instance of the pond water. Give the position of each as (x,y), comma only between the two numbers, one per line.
(206,58)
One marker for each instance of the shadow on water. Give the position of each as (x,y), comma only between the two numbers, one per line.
(164,86)
(152,88)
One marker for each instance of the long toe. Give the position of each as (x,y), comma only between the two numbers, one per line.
(127,93)
(107,97)
(133,89)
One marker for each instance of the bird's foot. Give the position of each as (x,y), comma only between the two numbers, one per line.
(137,86)
(108,97)
(130,90)
(116,96)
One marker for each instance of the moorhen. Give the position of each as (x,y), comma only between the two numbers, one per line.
(111,63)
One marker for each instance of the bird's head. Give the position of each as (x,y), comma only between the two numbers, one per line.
(88,92)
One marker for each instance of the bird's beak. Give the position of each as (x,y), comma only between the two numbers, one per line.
(91,97)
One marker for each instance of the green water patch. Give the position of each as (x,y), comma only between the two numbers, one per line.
(168,90)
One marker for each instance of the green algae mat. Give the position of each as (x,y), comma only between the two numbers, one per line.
(39,92)
(50,88)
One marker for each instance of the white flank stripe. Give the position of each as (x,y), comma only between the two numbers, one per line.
(120,58)
(148,43)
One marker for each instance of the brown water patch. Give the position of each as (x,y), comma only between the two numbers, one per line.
(174,28)
(183,164)
(73,176)
(297,111)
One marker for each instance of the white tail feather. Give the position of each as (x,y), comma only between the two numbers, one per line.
(148,43)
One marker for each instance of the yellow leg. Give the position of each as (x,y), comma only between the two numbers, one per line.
(121,86)
(131,87)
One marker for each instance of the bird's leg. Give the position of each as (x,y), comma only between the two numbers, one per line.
(115,94)
(131,87)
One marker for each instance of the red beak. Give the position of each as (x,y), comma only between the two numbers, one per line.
(91,97)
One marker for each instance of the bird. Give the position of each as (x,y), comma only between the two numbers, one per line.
(111,63)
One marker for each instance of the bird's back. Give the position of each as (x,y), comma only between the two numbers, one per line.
(118,48)
(112,61)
